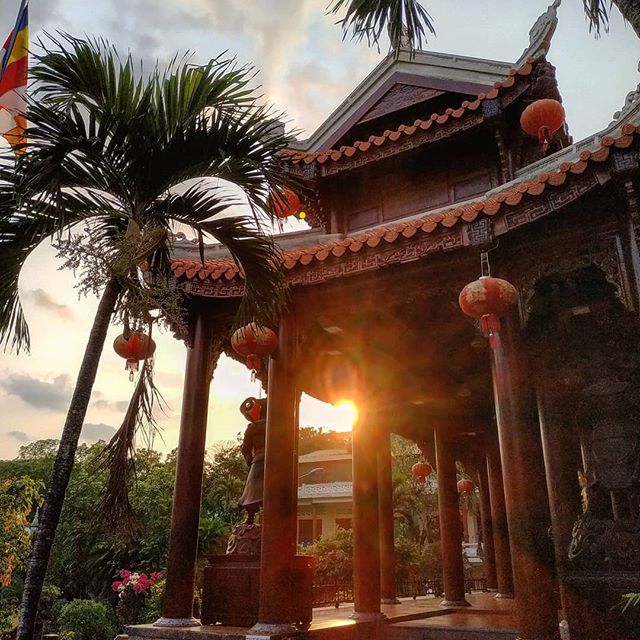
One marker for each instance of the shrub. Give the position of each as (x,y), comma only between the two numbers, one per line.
(88,620)
(333,557)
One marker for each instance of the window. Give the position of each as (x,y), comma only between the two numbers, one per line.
(343,523)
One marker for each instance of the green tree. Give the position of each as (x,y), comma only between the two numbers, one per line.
(18,498)
(107,149)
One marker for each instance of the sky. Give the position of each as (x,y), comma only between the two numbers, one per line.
(305,69)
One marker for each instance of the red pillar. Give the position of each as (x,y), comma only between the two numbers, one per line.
(279,510)
(185,515)
(450,522)
(504,569)
(525,488)
(488,553)
(366,540)
(385,509)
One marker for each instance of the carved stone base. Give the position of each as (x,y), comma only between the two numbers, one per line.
(261,631)
(177,622)
(245,539)
(451,604)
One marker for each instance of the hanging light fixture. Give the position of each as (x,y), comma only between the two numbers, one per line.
(543,118)
(254,342)
(486,299)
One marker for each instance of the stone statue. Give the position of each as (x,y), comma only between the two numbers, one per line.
(252,448)
(609,529)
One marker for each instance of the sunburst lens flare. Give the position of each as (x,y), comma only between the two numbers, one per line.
(348,413)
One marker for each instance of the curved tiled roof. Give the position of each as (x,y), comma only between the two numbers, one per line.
(508,195)
(361,146)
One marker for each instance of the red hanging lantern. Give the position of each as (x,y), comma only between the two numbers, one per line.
(285,204)
(136,347)
(542,118)
(465,487)
(254,342)
(485,300)
(421,471)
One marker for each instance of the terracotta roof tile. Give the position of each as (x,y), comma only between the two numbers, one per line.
(321,157)
(511,195)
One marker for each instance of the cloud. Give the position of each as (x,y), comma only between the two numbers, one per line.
(94,432)
(43,300)
(51,395)
(20,436)
(119,406)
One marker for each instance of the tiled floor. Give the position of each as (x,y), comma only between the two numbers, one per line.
(330,623)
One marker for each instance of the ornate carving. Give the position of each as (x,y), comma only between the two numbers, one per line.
(556,199)
(624,161)
(491,108)
(605,254)
(542,31)
(480,232)
(245,539)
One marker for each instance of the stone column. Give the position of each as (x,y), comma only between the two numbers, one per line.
(525,488)
(563,459)
(504,570)
(366,538)
(450,523)
(279,510)
(488,553)
(385,508)
(185,515)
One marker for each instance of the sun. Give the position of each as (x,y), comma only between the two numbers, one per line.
(346,414)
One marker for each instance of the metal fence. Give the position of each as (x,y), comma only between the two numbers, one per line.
(334,594)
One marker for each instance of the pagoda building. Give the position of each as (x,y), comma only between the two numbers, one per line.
(419,182)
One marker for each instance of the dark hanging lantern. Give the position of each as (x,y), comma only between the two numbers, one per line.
(465,487)
(136,347)
(421,471)
(254,342)
(542,118)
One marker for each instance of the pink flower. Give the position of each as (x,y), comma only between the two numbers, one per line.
(115,585)
(125,574)
(156,575)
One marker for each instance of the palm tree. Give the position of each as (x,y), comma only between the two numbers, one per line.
(597,12)
(107,149)
(407,21)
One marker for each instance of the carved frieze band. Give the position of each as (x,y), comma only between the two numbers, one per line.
(356,264)
(556,199)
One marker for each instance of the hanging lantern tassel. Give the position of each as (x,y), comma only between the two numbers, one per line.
(131,366)
(489,326)
(254,364)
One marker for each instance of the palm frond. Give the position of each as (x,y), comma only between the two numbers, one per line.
(406,21)
(597,14)
(118,456)
(256,254)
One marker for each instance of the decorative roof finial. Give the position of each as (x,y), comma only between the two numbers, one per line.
(541,33)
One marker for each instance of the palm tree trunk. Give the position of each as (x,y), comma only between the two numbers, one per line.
(63,464)
(630,10)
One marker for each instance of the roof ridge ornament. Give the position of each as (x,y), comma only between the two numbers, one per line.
(632,100)
(541,33)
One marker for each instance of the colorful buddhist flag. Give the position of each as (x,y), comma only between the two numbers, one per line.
(13,80)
